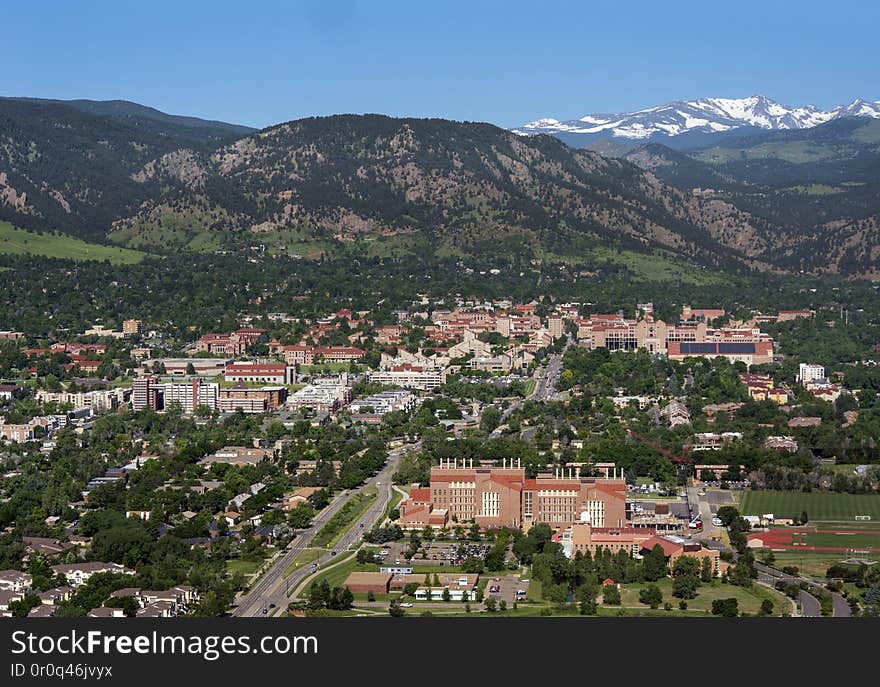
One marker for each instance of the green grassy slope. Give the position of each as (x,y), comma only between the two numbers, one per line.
(18,242)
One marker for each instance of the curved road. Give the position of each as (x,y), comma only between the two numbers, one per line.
(811,606)
(270,593)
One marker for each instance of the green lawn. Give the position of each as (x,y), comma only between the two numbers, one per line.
(818,505)
(344,517)
(243,567)
(844,541)
(394,502)
(813,563)
(335,576)
(535,590)
(306,557)
(19,242)
(328,368)
(749,598)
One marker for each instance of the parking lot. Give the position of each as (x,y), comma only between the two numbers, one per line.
(439,554)
(507,588)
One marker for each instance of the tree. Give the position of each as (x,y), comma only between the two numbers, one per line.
(301,516)
(319,595)
(22,607)
(686,566)
(472,564)
(685,586)
(654,564)
(707,570)
(490,419)
(611,595)
(395,610)
(651,596)
(727,608)
(446,596)
(767,607)
(190,369)
(410,588)
(740,574)
(346,599)
(587,600)
(727,514)
(490,605)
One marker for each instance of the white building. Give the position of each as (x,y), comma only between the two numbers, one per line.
(809,373)
(410,377)
(385,402)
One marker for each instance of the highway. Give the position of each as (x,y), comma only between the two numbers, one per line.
(270,592)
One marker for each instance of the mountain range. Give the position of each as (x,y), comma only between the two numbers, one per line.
(124,174)
(694,122)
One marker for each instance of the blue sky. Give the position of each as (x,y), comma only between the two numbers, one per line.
(260,63)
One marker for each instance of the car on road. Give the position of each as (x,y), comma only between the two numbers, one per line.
(406,605)
(717,522)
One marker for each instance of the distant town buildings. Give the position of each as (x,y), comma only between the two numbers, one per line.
(234,343)
(690,337)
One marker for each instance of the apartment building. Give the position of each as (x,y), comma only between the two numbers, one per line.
(410,377)
(762,388)
(504,497)
(322,398)
(149,392)
(79,573)
(808,373)
(190,394)
(131,327)
(100,400)
(384,402)
(144,393)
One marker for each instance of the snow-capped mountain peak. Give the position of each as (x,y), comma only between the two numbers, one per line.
(707,115)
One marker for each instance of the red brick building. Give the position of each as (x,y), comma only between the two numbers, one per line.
(504,497)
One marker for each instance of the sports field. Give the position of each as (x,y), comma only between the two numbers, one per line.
(818,505)
(786,538)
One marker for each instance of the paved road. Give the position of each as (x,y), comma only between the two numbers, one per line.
(841,606)
(545,385)
(842,609)
(271,590)
(810,607)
